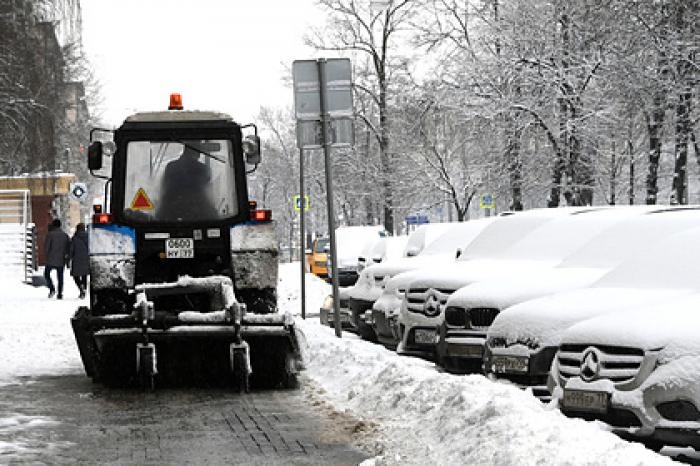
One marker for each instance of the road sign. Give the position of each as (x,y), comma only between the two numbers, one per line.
(338,92)
(297,203)
(487,201)
(78,191)
(417,219)
(340,133)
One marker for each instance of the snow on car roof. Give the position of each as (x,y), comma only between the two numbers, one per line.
(630,236)
(672,325)
(507,230)
(556,239)
(673,262)
(456,235)
(583,268)
(419,238)
(502,292)
(350,241)
(543,319)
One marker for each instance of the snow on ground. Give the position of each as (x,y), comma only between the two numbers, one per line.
(424,416)
(35,333)
(427,416)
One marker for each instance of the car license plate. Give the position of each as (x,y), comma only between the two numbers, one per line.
(179,248)
(424,336)
(582,400)
(510,364)
(472,351)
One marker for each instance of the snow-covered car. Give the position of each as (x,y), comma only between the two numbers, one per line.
(350,242)
(514,245)
(382,249)
(443,241)
(638,371)
(470,310)
(522,341)
(377,251)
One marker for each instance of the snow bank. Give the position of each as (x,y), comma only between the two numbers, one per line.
(430,417)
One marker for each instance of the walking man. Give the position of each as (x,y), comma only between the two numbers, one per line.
(80,258)
(57,247)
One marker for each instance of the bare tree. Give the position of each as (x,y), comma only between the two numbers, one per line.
(369,29)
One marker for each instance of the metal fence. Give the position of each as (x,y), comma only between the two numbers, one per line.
(18,242)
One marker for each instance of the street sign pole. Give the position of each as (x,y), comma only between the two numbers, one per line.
(302,233)
(321,64)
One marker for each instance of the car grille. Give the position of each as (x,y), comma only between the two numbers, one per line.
(456,317)
(417,297)
(480,317)
(618,364)
(477,318)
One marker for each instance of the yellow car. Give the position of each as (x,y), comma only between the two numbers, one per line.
(316,257)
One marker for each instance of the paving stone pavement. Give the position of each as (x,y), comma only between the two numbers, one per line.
(69,420)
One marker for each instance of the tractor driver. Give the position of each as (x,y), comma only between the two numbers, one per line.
(185,187)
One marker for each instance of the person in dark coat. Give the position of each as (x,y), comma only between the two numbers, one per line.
(185,189)
(56,246)
(79,258)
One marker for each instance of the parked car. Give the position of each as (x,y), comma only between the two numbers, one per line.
(316,257)
(522,341)
(380,250)
(512,245)
(643,381)
(443,242)
(470,310)
(377,251)
(350,242)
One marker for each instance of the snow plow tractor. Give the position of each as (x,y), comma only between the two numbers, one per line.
(183,266)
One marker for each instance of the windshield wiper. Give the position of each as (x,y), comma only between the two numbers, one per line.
(197,149)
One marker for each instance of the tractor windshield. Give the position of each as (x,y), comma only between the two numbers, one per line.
(179,181)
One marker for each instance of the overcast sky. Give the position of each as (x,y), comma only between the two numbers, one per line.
(226,55)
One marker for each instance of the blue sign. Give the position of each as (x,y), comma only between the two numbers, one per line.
(486,201)
(417,219)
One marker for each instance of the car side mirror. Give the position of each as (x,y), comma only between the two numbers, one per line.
(251,150)
(458,253)
(95,155)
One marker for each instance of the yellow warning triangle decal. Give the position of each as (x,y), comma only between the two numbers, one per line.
(141,201)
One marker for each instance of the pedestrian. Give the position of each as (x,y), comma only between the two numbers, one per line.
(79,258)
(57,247)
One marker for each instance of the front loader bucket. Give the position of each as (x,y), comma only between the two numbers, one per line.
(83,337)
(275,353)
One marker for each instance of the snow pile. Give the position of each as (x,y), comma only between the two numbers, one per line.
(35,333)
(431,417)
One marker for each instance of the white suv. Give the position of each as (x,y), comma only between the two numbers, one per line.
(638,371)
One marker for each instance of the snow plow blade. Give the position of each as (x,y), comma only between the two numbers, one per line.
(156,346)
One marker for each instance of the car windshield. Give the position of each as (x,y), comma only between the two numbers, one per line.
(322,245)
(179,181)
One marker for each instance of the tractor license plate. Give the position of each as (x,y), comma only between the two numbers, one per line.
(424,336)
(510,364)
(582,400)
(179,248)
